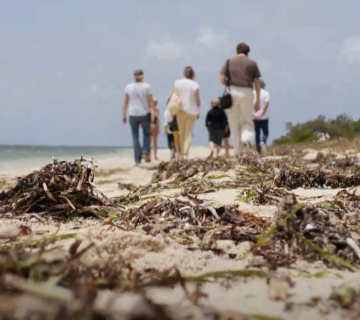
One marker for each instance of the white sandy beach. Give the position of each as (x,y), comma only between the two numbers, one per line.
(247,295)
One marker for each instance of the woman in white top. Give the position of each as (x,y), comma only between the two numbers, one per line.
(138,99)
(189,91)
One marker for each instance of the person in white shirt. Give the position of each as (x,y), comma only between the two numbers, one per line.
(189,90)
(261,120)
(138,99)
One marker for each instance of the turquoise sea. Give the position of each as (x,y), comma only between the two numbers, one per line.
(14,158)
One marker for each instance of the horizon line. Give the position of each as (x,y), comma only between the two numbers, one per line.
(60,145)
(77,146)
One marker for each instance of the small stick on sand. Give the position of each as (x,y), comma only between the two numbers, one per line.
(354,246)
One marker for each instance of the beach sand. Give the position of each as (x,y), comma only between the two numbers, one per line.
(248,295)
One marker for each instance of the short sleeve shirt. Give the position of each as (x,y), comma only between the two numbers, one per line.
(242,71)
(264,97)
(186,89)
(138,93)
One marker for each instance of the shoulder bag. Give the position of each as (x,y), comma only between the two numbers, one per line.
(226,99)
(174,105)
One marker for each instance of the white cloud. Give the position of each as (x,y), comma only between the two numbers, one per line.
(210,39)
(166,51)
(351,49)
(171,49)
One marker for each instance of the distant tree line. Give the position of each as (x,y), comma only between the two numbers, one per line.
(341,126)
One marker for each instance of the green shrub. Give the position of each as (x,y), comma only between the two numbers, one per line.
(341,126)
(303,136)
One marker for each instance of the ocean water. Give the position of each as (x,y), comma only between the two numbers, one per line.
(16,158)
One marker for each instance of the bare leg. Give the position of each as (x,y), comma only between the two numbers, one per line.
(226,145)
(151,137)
(155,137)
(218,148)
(212,147)
(177,143)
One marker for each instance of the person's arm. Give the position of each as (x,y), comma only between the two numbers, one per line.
(265,107)
(151,102)
(267,102)
(222,75)
(256,76)
(173,90)
(225,119)
(223,79)
(125,106)
(197,97)
(257,93)
(207,120)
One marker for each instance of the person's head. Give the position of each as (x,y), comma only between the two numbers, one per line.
(138,75)
(214,103)
(242,48)
(262,83)
(189,73)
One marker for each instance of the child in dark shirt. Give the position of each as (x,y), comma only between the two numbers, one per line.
(216,123)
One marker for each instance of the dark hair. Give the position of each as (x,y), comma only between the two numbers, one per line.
(189,73)
(242,48)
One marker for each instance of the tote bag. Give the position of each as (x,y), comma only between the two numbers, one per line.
(174,104)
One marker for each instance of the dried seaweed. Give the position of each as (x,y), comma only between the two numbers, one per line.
(263,195)
(127,186)
(346,298)
(190,215)
(37,281)
(60,188)
(47,284)
(306,232)
(293,179)
(184,169)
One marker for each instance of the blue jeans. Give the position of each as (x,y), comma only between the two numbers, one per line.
(261,125)
(145,125)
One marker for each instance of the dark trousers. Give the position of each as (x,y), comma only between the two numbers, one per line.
(261,125)
(145,125)
(170,140)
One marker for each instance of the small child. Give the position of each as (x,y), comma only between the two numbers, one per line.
(172,131)
(217,124)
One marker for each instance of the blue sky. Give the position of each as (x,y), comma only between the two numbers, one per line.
(65,63)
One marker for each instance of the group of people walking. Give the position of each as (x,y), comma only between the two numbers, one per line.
(244,117)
